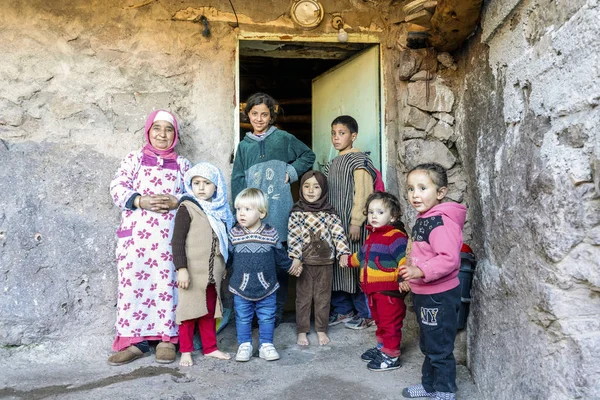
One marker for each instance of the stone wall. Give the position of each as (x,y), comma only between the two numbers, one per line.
(527,116)
(427,82)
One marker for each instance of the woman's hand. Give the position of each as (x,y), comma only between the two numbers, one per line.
(287,178)
(160,203)
(354,233)
(183,278)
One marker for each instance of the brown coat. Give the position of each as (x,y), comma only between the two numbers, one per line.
(192,301)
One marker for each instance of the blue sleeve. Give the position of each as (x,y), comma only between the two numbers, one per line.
(282,260)
(229,257)
(129,205)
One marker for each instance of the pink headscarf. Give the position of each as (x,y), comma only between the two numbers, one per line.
(151,156)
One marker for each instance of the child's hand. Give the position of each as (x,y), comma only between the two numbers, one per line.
(343,261)
(354,233)
(409,271)
(183,278)
(296,268)
(404,286)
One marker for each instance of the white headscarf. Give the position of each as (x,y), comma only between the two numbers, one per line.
(218,211)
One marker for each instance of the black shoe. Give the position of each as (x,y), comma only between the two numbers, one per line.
(384,363)
(370,355)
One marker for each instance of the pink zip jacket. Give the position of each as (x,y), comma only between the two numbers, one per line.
(436,242)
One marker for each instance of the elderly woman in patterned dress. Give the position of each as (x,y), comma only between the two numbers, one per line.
(147,188)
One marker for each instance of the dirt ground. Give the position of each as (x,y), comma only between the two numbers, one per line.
(335,371)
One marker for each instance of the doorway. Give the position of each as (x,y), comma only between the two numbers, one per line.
(286,71)
(313,83)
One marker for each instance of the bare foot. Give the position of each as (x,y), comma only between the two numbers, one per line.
(323,338)
(302,340)
(186,360)
(219,355)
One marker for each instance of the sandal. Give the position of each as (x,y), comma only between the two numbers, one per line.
(126,356)
(165,353)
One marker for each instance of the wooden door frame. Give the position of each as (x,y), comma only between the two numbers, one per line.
(370,38)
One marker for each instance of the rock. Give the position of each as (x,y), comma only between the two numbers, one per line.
(432,123)
(417,118)
(447,118)
(443,131)
(408,65)
(418,151)
(10,113)
(410,133)
(573,136)
(422,76)
(594,236)
(441,98)
(580,179)
(412,61)
(457,184)
(446,60)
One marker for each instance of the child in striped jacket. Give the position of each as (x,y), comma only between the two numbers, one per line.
(379,258)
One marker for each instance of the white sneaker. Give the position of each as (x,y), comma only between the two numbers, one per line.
(244,352)
(268,352)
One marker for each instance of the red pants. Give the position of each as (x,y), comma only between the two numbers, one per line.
(388,313)
(206,326)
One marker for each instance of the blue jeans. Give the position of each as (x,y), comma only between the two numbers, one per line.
(344,303)
(437,315)
(265,312)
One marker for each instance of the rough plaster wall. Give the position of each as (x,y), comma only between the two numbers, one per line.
(78,82)
(528,116)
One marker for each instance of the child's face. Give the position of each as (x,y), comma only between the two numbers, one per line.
(423,194)
(260,118)
(202,188)
(341,137)
(161,135)
(249,217)
(378,214)
(311,190)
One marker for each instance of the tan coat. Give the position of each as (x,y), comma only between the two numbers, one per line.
(192,301)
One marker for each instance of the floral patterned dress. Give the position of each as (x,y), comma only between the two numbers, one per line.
(147,298)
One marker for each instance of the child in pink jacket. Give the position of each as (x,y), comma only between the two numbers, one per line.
(432,270)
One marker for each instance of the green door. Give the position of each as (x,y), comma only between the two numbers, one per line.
(351,88)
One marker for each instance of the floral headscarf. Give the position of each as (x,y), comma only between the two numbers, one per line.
(165,158)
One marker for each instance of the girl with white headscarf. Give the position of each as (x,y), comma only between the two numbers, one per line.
(200,251)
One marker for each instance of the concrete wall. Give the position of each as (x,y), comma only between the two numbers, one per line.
(528,115)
